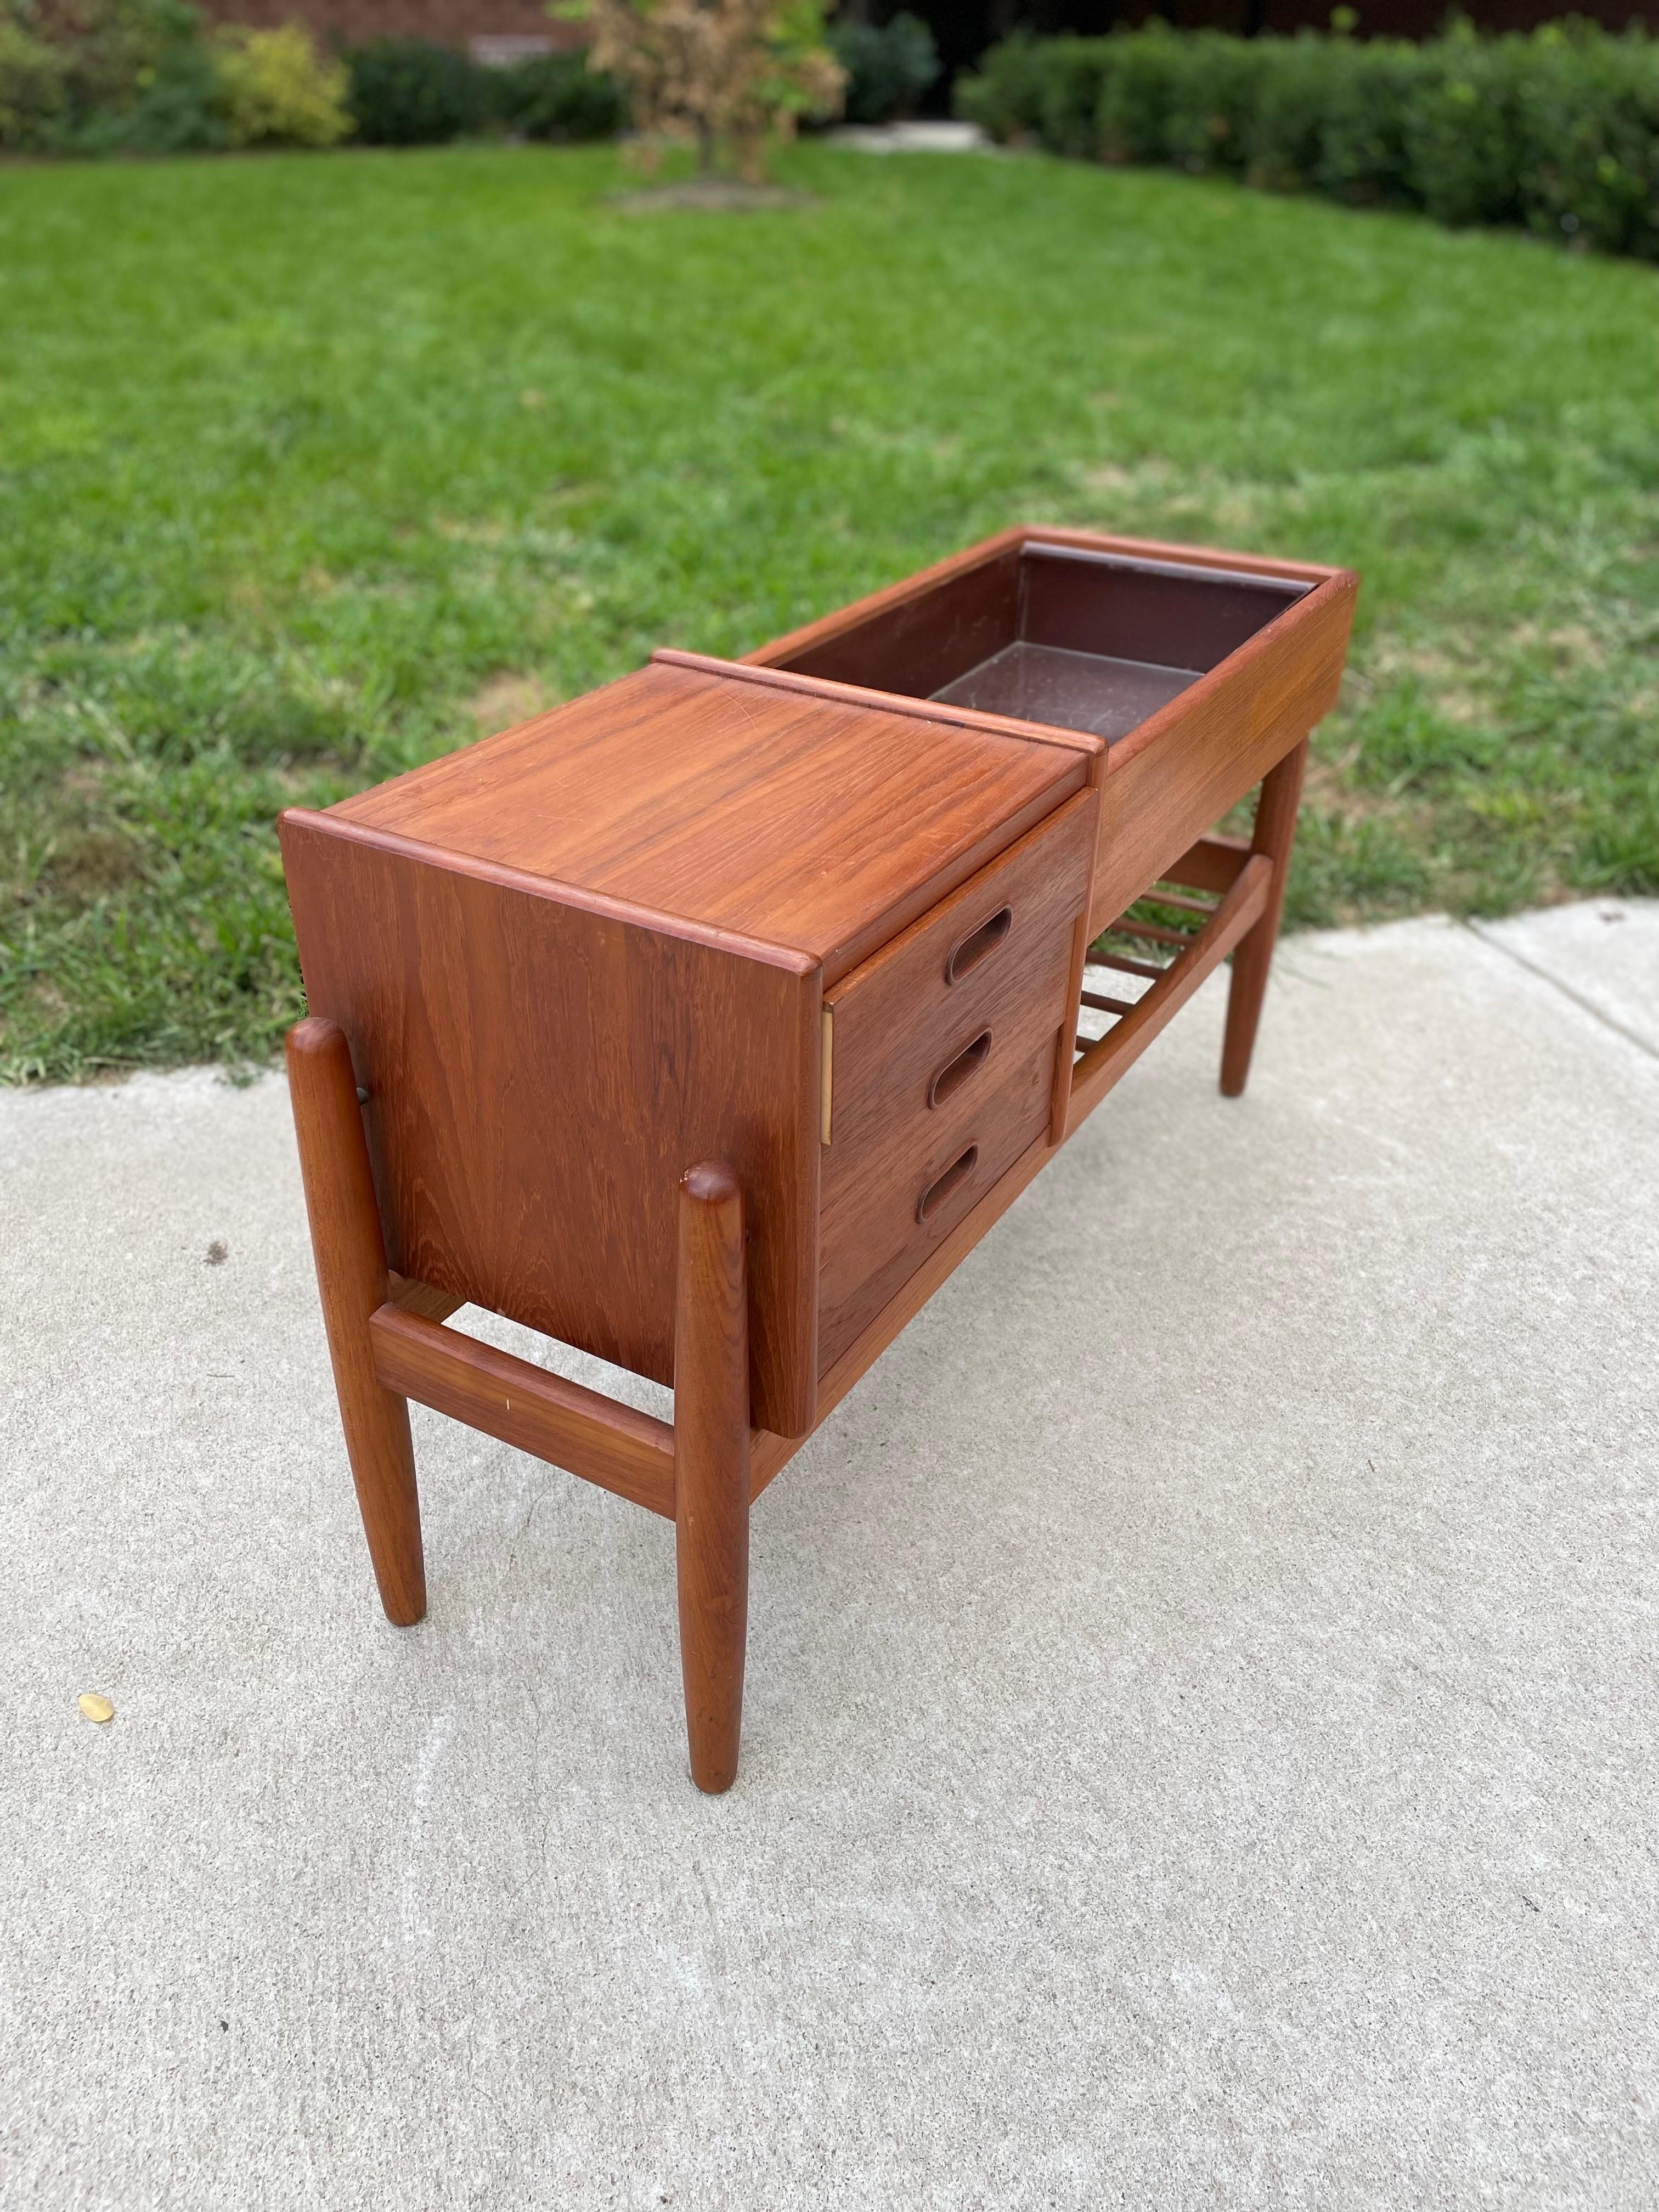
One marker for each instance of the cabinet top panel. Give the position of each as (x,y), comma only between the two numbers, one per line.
(815,825)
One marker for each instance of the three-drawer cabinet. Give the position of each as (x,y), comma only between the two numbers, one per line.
(706,1022)
(941,1056)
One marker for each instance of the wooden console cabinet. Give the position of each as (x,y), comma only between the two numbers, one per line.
(706,1023)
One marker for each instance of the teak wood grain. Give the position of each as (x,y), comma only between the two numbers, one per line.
(806,646)
(1213,862)
(1274,835)
(770,1455)
(900,1022)
(1107,1062)
(1219,739)
(711,1451)
(707,1022)
(612,1445)
(931,634)
(723,802)
(1184,765)
(538,1076)
(887,702)
(349,1252)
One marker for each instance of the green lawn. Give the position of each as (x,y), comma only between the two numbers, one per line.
(313,466)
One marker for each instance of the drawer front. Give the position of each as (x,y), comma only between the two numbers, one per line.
(942,1051)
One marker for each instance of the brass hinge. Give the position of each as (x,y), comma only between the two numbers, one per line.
(826,1075)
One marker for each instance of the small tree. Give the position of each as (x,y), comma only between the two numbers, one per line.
(727,76)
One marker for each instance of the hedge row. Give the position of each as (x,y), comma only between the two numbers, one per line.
(150,76)
(107,76)
(408,92)
(1557,129)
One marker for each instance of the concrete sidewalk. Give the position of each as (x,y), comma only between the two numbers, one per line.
(1201,1744)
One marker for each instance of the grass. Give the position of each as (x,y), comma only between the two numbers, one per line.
(311,467)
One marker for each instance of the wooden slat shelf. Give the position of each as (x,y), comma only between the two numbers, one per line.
(1124,966)
(1154,932)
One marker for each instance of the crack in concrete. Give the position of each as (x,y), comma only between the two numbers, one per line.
(1598,1014)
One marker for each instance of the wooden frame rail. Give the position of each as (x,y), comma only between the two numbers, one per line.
(1213,864)
(1247,893)
(588,1435)
(610,1444)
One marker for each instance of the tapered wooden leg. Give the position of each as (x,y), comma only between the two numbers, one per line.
(351,1280)
(1275,833)
(711,1467)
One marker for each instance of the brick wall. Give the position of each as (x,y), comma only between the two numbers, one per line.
(482,24)
(962,27)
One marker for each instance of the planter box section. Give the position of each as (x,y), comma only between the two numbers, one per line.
(1212,664)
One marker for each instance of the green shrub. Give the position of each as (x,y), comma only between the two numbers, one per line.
(1558,128)
(179,108)
(408,92)
(1006,97)
(1362,155)
(109,49)
(279,90)
(32,88)
(1213,88)
(138,78)
(1587,119)
(557,97)
(1137,94)
(106,76)
(1294,90)
(1073,82)
(889,66)
(1462,149)
(1048,88)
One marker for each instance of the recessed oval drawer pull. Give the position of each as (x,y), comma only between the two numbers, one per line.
(955,1072)
(978,945)
(951,1181)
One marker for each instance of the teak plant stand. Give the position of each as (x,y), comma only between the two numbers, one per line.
(709,1022)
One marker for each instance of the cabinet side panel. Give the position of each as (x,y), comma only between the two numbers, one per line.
(541,1076)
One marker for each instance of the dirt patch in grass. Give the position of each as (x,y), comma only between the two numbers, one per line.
(508,699)
(709,196)
(1328,785)
(88,864)
(1444,678)
(1568,642)
(1132,480)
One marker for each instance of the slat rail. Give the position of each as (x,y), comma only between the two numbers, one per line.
(1106,1058)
